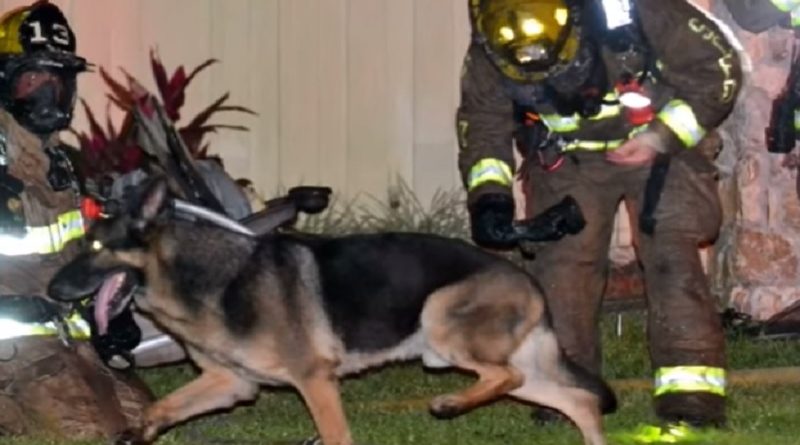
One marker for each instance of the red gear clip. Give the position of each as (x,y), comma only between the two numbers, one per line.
(638,107)
(90,209)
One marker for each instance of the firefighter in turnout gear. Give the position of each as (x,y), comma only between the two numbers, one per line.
(608,101)
(51,380)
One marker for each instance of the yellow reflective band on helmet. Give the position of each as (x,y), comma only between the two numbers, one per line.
(9,30)
(489,170)
(786,5)
(690,379)
(45,239)
(77,328)
(679,117)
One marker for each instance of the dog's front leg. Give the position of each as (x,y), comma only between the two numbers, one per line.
(215,388)
(320,390)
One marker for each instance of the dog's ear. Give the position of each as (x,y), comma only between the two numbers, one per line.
(154,199)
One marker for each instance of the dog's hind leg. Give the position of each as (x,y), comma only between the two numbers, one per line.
(578,404)
(550,381)
(320,390)
(476,325)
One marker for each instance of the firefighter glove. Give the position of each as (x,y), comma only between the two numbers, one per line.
(491,221)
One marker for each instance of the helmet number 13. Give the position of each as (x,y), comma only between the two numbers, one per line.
(60,33)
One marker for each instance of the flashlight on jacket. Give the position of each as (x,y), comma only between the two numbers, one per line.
(638,107)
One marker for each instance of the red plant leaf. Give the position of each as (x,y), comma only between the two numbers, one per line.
(237,108)
(96,131)
(204,115)
(121,105)
(199,68)
(174,96)
(145,105)
(192,139)
(111,131)
(120,93)
(126,129)
(213,128)
(203,152)
(83,139)
(159,73)
(131,158)
(138,91)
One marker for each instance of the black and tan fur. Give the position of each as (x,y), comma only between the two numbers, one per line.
(304,311)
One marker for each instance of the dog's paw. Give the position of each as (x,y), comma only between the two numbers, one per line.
(446,407)
(316,440)
(129,437)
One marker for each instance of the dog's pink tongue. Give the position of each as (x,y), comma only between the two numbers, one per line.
(103,301)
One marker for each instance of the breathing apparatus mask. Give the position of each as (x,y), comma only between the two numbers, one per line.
(39,68)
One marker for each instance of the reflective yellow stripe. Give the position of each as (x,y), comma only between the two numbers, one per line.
(45,239)
(690,379)
(607,110)
(602,145)
(593,145)
(78,328)
(559,123)
(679,117)
(564,124)
(786,5)
(489,170)
(797,120)
(670,433)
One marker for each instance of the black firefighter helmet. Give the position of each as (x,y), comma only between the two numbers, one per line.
(528,40)
(38,67)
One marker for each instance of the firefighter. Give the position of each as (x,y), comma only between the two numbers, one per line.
(51,379)
(608,101)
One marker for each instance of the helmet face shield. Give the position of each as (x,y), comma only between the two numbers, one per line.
(38,67)
(527,38)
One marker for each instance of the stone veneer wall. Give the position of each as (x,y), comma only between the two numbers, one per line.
(755,267)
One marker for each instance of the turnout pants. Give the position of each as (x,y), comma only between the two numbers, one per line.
(685,335)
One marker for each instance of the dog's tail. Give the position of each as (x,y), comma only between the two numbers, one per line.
(583,378)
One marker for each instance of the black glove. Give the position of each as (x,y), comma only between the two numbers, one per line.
(116,346)
(564,218)
(491,221)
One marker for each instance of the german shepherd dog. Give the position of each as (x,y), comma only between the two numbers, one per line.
(302,310)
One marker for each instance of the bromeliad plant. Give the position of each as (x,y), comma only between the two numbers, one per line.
(108,151)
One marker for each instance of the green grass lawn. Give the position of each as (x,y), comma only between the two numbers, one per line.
(388,407)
